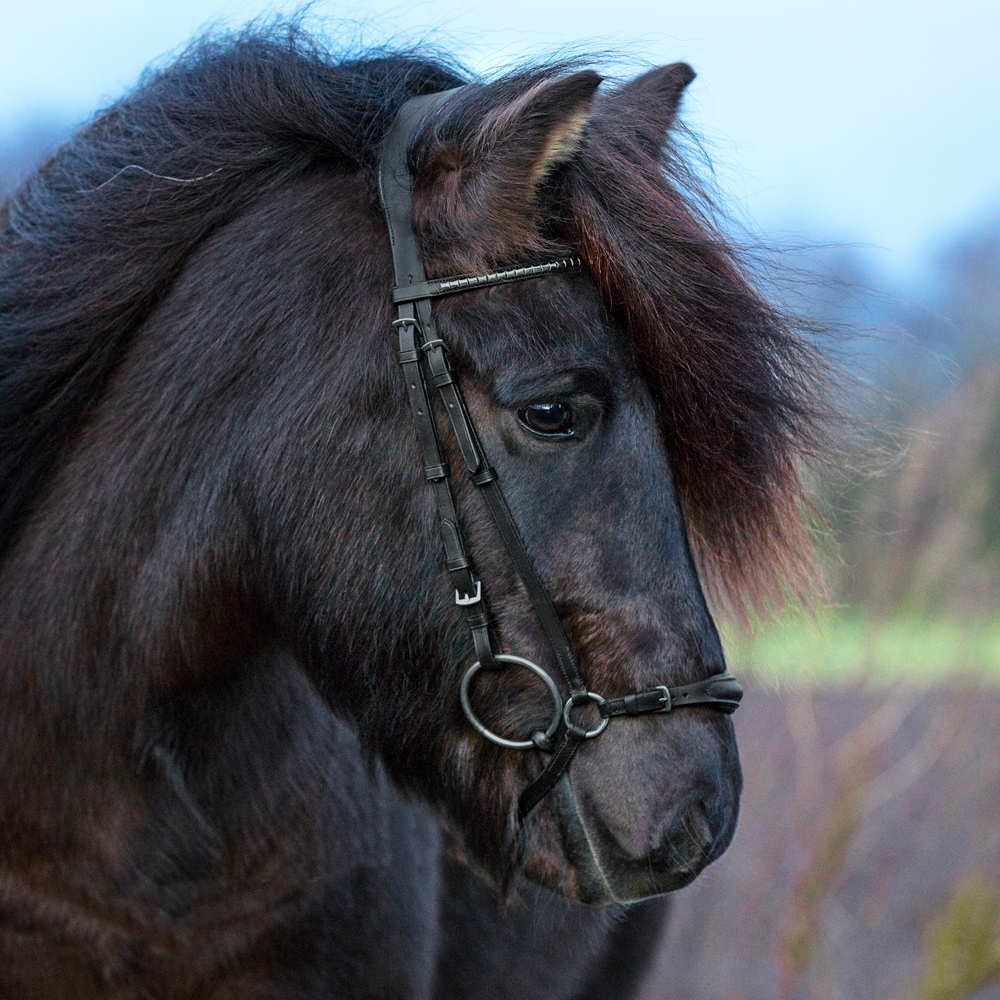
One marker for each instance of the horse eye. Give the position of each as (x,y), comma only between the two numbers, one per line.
(548,419)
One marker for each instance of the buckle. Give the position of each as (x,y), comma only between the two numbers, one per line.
(467,599)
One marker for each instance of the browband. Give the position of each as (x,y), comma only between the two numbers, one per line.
(439,287)
(423,357)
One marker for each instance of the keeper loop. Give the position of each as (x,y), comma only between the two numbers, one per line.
(487,475)
(435,472)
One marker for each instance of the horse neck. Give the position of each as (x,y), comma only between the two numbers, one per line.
(106,600)
(154,559)
(138,554)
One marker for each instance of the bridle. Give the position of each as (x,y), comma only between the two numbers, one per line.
(424,358)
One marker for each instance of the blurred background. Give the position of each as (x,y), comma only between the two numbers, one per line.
(856,150)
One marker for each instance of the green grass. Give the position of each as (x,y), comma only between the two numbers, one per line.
(847,648)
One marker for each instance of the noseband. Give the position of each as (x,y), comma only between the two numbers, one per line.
(424,358)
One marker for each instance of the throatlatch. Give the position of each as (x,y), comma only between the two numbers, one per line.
(424,357)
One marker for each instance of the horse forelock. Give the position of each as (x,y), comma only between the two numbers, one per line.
(740,390)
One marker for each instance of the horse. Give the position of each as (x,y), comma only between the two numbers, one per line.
(234,759)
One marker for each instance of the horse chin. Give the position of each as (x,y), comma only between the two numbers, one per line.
(573,852)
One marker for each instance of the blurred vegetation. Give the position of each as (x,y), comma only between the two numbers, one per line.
(912,556)
(963,945)
(912,564)
(920,537)
(801,935)
(847,645)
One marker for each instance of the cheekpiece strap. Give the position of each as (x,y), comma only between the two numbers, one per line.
(429,359)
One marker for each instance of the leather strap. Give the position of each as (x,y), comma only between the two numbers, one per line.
(395,188)
(412,296)
(557,766)
(485,478)
(722,692)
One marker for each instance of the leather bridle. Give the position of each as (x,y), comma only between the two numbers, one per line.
(424,358)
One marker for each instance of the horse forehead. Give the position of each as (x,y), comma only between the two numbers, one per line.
(542,318)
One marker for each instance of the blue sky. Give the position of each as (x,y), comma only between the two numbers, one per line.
(876,122)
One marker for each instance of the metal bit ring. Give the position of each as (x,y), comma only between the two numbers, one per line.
(557,701)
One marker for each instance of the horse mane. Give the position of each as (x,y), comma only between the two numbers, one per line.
(92,241)
(738,389)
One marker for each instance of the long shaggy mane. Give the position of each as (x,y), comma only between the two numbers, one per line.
(90,244)
(92,241)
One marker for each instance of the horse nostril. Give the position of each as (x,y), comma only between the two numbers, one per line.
(688,842)
(697,823)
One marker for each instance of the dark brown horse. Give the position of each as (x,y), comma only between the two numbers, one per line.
(232,757)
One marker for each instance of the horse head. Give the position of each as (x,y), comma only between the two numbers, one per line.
(208,433)
(557,391)
(575,399)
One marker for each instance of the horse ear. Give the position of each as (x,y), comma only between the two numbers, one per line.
(648,104)
(528,138)
(475,188)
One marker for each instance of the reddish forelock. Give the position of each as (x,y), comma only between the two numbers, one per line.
(738,389)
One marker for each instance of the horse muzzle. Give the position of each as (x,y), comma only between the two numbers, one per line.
(646,814)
